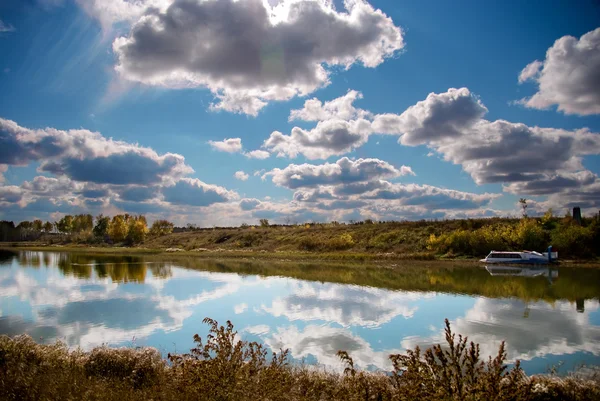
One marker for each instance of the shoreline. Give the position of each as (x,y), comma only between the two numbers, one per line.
(386,259)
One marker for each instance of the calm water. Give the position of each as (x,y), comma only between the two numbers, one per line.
(552,318)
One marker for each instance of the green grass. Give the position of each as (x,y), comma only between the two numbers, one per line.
(447,239)
(221,367)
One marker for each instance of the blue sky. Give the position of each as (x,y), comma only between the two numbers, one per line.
(163,84)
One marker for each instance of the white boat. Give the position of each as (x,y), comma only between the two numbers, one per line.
(523,257)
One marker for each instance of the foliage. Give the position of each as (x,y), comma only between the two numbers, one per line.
(264,222)
(65,225)
(101,227)
(161,227)
(225,368)
(137,229)
(117,229)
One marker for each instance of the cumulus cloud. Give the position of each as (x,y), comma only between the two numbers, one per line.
(83,155)
(249,204)
(569,76)
(111,12)
(93,174)
(10,194)
(272,52)
(430,197)
(530,159)
(138,193)
(193,192)
(329,138)
(257,154)
(231,145)
(240,175)
(343,171)
(439,117)
(339,108)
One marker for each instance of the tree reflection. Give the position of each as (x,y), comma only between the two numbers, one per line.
(120,269)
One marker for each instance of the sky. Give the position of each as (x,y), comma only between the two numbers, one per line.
(223,112)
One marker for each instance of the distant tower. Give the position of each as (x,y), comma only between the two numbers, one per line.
(577,214)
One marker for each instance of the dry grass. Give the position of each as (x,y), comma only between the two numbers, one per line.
(224,368)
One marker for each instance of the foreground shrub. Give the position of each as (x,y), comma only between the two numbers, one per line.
(225,368)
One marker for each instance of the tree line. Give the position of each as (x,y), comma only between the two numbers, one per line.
(121,228)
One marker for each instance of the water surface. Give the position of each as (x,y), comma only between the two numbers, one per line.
(547,317)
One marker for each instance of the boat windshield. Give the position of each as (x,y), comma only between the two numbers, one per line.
(504,255)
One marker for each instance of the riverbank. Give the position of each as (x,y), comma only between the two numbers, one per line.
(226,368)
(364,241)
(386,260)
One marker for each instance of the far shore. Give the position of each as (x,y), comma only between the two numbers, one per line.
(384,259)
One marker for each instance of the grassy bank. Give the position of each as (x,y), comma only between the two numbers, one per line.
(224,368)
(420,240)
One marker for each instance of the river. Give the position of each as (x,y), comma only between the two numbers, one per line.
(548,317)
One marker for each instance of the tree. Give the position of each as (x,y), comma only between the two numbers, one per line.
(101,228)
(117,229)
(523,203)
(264,223)
(65,225)
(161,227)
(137,229)
(48,227)
(38,225)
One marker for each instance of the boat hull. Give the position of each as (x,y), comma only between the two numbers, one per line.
(515,261)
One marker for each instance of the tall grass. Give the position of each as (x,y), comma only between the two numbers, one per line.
(222,367)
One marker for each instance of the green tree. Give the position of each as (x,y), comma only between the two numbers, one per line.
(117,229)
(161,227)
(264,223)
(48,227)
(101,228)
(65,225)
(38,225)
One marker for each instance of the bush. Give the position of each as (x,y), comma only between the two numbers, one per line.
(573,240)
(222,367)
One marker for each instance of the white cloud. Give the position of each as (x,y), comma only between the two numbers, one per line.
(329,138)
(240,308)
(569,76)
(339,108)
(230,145)
(343,171)
(271,53)
(531,71)
(257,154)
(240,175)
(193,192)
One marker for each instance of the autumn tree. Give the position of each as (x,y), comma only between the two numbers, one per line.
(117,229)
(137,229)
(161,227)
